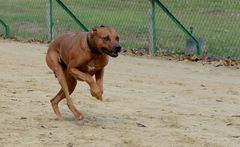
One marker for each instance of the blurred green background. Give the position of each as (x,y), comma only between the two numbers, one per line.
(217,21)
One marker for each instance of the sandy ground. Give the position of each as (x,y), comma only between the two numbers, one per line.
(147,103)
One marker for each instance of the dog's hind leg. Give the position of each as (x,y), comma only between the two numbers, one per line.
(60,95)
(52,59)
(55,100)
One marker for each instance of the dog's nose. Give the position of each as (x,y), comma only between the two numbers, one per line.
(117,48)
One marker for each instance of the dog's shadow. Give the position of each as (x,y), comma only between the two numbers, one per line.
(103,120)
(96,120)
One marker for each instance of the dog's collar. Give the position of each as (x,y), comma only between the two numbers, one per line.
(91,47)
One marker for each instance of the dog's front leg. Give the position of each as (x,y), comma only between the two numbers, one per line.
(94,89)
(99,79)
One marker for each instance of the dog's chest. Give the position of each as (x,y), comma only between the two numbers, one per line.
(91,68)
(96,65)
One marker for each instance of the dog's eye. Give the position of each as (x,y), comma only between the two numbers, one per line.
(117,38)
(106,38)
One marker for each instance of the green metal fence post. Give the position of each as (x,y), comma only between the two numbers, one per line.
(7,29)
(152,28)
(72,15)
(49,19)
(178,23)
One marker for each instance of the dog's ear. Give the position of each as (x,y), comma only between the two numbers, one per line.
(93,31)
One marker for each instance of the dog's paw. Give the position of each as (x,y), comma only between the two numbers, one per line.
(80,117)
(58,118)
(96,92)
(100,98)
(97,95)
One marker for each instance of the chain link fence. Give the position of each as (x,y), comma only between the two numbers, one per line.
(128,17)
(216,23)
(25,18)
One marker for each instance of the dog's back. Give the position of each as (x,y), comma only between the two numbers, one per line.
(65,43)
(69,38)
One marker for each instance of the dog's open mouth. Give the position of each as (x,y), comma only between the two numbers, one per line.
(110,53)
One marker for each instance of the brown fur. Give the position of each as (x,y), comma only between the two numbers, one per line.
(80,56)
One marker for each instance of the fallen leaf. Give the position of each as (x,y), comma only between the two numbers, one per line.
(23,117)
(140,125)
(70,144)
(42,126)
(235,136)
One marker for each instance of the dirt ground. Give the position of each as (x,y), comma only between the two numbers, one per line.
(147,103)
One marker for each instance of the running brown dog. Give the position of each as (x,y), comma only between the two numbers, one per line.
(80,56)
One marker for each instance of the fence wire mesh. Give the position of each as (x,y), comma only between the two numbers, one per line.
(215,22)
(25,18)
(128,17)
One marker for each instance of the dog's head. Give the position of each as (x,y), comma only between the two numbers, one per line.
(105,40)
